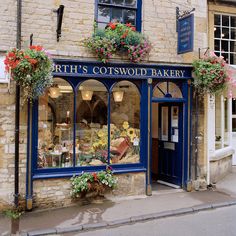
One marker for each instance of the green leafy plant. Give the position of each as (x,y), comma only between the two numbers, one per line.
(31,69)
(13,213)
(117,37)
(210,74)
(97,182)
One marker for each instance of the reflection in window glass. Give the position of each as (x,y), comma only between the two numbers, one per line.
(91,124)
(55,126)
(125,123)
(167,89)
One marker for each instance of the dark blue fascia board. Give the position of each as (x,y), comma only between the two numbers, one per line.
(123,64)
(183,100)
(70,174)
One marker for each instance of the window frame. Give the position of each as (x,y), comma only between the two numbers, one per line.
(43,173)
(138,9)
(220,39)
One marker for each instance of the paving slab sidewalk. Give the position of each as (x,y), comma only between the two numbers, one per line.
(123,211)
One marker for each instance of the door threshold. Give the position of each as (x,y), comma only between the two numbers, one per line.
(168,184)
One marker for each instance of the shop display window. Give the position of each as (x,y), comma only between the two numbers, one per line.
(88,126)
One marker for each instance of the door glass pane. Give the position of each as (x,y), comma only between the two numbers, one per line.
(117,15)
(125,123)
(174,123)
(234,124)
(91,124)
(164,123)
(103,14)
(129,16)
(55,126)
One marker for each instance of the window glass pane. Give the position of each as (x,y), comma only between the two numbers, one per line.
(167,89)
(233,33)
(118,2)
(217,19)
(232,46)
(129,16)
(55,126)
(225,20)
(103,14)
(217,54)
(217,32)
(234,107)
(224,46)
(226,56)
(102,25)
(233,21)
(218,122)
(125,123)
(130,3)
(225,33)
(233,58)
(217,45)
(91,124)
(117,15)
(104,1)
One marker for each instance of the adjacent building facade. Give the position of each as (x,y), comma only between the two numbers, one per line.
(142,119)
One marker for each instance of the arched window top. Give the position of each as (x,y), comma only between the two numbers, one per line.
(167,90)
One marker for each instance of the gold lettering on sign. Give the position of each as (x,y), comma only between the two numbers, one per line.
(58,68)
(85,69)
(177,73)
(166,73)
(172,73)
(154,72)
(130,71)
(159,73)
(182,73)
(65,68)
(143,71)
(95,70)
(73,69)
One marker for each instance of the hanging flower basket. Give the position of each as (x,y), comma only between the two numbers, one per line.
(210,74)
(117,37)
(31,69)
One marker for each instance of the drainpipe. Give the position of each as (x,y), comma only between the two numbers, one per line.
(17,108)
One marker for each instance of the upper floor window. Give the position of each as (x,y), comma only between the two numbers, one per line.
(225,37)
(123,11)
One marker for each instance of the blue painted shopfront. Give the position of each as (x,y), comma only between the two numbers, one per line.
(146,78)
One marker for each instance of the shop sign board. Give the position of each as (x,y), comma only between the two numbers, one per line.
(118,70)
(185,34)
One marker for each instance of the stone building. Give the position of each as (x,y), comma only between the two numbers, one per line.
(158,110)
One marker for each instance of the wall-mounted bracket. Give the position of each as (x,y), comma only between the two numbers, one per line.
(181,14)
(59,12)
(200,49)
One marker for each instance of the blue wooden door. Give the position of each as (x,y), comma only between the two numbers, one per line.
(170,148)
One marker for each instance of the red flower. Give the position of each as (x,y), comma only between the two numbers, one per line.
(133,28)
(95,176)
(112,25)
(128,24)
(36,47)
(26,57)
(32,61)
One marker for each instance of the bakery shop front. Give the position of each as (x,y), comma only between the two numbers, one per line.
(132,117)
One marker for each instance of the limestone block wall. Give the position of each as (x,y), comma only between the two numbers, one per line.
(39,18)
(56,192)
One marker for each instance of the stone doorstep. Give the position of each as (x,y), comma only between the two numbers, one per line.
(131,220)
